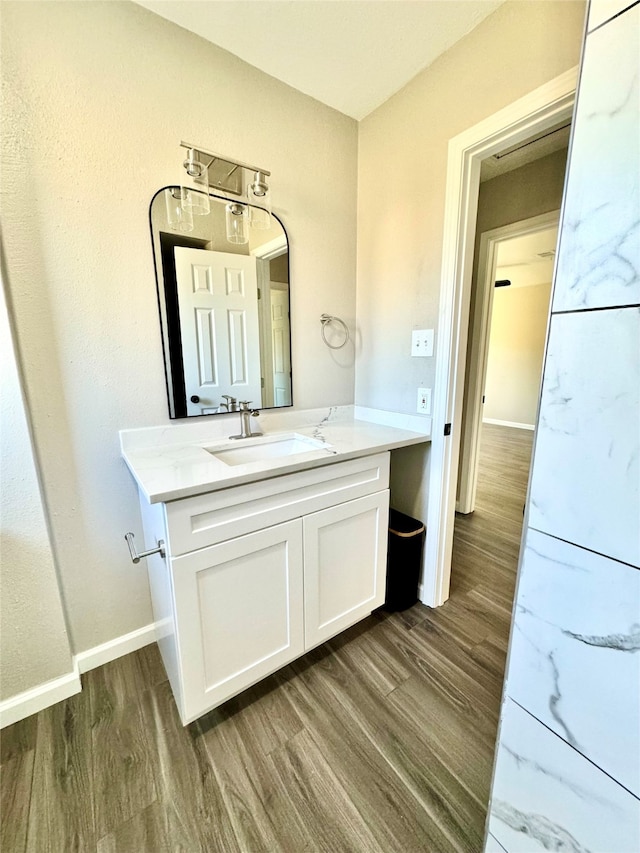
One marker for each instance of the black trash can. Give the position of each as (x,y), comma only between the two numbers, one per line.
(404,560)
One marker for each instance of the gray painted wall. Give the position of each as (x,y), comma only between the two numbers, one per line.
(97,98)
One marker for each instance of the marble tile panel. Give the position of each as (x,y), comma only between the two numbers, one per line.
(586,473)
(599,251)
(603,10)
(575,652)
(546,796)
(493,845)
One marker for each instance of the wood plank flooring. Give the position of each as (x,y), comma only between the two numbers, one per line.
(379,741)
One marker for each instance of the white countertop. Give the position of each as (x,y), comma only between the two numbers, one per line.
(171,462)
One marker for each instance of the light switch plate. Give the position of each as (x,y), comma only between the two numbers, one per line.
(424,401)
(422,343)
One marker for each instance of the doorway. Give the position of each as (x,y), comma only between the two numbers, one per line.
(509,314)
(507,333)
(535,114)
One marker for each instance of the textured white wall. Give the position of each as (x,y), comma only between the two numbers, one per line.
(97,98)
(33,635)
(402,164)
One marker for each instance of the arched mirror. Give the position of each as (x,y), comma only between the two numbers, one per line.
(224,307)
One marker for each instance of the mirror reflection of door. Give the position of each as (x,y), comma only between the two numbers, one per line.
(218,304)
(281,362)
(275,330)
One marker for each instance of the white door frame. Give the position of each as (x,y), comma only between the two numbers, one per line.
(480,325)
(536,112)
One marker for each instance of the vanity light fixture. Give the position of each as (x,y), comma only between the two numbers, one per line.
(259,186)
(259,196)
(197,169)
(220,174)
(193,165)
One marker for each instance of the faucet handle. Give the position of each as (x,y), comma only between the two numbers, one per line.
(244,407)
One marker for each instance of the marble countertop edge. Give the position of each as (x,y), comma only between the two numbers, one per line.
(171,463)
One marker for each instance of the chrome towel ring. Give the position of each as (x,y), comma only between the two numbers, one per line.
(325,320)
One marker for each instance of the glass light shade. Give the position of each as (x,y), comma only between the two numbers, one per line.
(260,218)
(237,222)
(178,217)
(259,195)
(196,201)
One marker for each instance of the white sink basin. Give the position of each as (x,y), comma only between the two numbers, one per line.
(248,450)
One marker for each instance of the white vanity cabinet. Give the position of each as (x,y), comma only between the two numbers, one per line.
(345,555)
(238,611)
(257,574)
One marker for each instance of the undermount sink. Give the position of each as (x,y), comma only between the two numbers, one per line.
(262,449)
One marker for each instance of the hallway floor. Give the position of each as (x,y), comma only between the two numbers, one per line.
(381,740)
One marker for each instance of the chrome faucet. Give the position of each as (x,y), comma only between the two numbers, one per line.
(245,414)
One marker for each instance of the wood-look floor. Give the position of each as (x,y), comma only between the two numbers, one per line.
(381,740)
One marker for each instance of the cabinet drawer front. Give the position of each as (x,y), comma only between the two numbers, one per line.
(345,559)
(239,613)
(205,520)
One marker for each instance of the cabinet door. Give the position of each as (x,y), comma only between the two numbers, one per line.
(239,613)
(345,554)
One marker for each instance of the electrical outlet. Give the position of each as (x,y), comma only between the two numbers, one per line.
(422,343)
(424,401)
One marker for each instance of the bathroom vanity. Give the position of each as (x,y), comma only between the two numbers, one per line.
(271,545)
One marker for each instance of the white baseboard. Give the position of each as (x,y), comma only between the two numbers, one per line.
(113,649)
(31,701)
(38,698)
(508,423)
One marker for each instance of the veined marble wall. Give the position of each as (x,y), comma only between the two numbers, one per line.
(567,774)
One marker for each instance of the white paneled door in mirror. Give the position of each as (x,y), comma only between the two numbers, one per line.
(218,304)
(280,334)
(586,473)
(576,652)
(546,796)
(599,255)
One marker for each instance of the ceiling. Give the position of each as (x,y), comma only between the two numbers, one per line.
(519,259)
(349,54)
